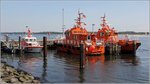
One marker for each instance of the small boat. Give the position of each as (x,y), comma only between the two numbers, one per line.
(30,44)
(110,37)
(77,35)
(129,46)
(9,47)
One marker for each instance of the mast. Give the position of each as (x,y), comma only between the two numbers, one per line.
(79,18)
(104,21)
(93,28)
(63,26)
(78,21)
(29,31)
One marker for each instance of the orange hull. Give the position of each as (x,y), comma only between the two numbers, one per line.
(129,46)
(70,49)
(96,51)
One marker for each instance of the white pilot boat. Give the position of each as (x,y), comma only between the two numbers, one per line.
(30,44)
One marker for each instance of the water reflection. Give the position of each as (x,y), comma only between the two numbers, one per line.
(128,58)
(102,65)
(61,67)
(132,59)
(81,76)
(44,74)
(94,59)
(30,58)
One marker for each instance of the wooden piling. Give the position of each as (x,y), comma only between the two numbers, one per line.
(110,48)
(82,55)
(7,38)
(19,42)
(45,48)
(134,46)
(117,50)
(19,47)
(113,48)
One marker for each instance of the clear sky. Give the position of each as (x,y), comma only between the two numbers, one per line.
(47,15)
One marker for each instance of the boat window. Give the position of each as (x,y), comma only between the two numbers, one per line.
(30,44)
(68,34)
(88,37)
(101,34)
(26,39)
(34,39)
(75,37)
(31,40)
(23,39)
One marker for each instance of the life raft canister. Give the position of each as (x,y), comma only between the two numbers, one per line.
(91,48)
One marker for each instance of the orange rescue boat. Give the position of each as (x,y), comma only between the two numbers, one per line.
(110,36)
(77,35)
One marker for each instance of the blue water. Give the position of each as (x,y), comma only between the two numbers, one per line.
(64,68)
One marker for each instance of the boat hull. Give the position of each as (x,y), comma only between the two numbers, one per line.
(33,49)
(129,47)
(70,49)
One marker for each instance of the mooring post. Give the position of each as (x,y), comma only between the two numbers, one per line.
(117,51)
(113,48)
(110,49)
(19,42)
(44,55)
(82,55)
(134,47)
(19,47)
(7,38)
(45,48)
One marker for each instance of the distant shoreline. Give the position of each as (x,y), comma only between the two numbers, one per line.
(126,32)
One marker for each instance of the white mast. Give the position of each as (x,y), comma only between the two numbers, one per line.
(63,26)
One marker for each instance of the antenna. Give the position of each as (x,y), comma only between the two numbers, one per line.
(93,28)
(26,29)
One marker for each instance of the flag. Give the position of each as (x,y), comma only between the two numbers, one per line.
(29,33)
(84,16)
(48,33)
(84,24)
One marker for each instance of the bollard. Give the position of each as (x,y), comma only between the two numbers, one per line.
(134,47)
(82,54)
(45,48)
